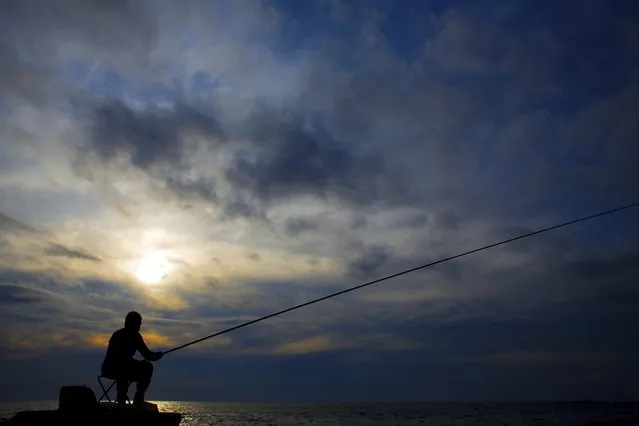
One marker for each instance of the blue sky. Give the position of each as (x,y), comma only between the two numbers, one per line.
(210,162)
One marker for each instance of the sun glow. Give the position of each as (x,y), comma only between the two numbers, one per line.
(152,269)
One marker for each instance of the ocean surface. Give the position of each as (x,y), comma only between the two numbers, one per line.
(432,414)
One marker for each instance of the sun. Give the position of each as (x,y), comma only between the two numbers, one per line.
(152,269)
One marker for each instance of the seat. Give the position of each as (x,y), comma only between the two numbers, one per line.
(105,391)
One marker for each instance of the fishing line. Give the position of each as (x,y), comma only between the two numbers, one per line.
(388,277)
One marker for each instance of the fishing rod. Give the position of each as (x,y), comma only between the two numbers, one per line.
(388,277)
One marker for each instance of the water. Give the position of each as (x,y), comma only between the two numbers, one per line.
(432,414)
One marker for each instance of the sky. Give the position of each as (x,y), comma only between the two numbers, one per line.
(210,162)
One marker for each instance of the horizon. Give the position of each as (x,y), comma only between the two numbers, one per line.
(328,402)
(210,162)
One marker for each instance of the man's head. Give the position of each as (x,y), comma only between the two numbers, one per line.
(133,321)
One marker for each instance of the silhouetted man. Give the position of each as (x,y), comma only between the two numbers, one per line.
(120,365)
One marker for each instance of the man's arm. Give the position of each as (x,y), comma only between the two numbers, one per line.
(145,351)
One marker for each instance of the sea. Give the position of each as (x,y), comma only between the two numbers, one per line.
(432,414)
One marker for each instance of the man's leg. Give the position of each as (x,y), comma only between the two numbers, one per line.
(121,375)
(122,386)
(141,372)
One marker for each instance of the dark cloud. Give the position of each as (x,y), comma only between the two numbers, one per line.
(107,297)
(287,157)
(418,220)
(9,224)
(602,141)
(295,226)
(370,260)
(61,305)
(359,222)
(447,220)
(13,294)
(62,251)
(255,257)
(150,135)
(241,206)
(296,159)
(204,189)
(585,269)
(147,137)
(602,284)
(165,142)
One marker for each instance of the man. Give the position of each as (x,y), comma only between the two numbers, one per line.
(120,365)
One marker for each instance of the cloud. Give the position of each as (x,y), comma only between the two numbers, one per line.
(324,343)
(58,250)
(152,339)
(299,159)
(370,260)
(14,294)
(606,128)
(126,37)
(310,345)
(9,224)
(296,226)
(561,358)
(25,343)
(148,136)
